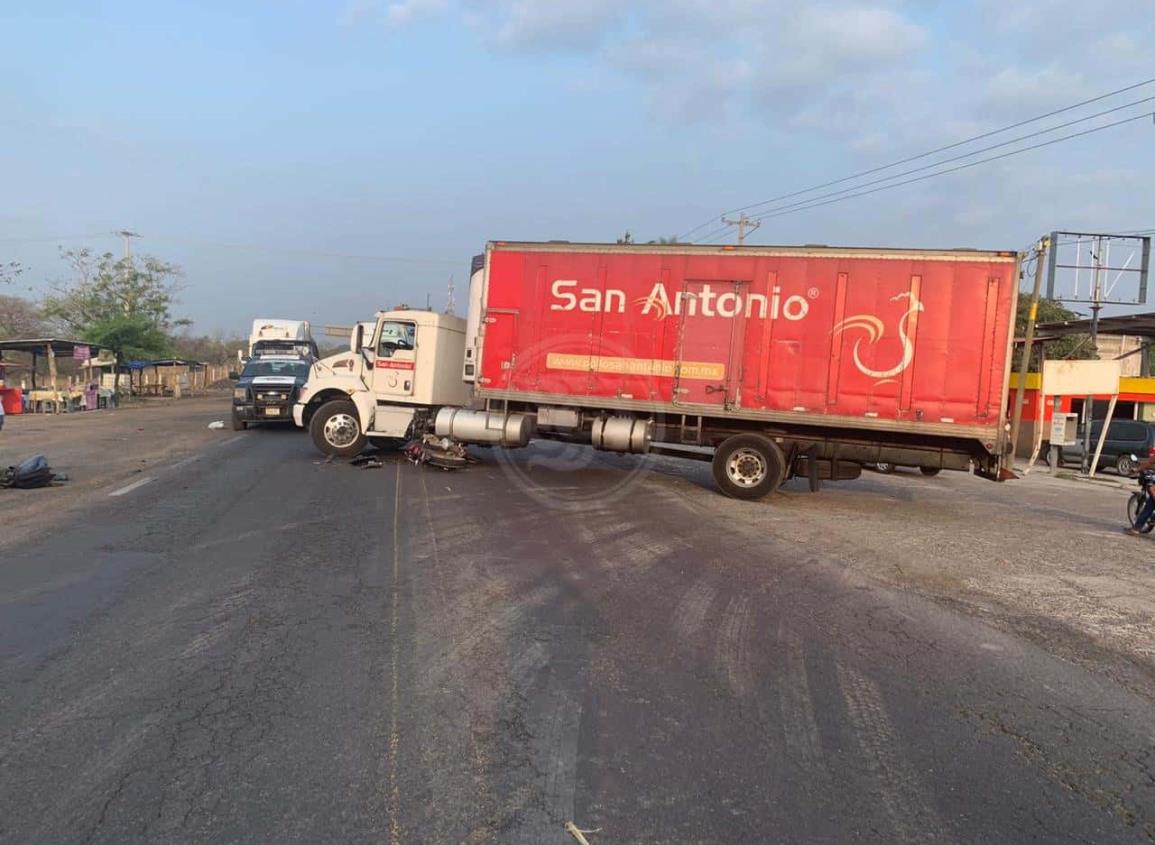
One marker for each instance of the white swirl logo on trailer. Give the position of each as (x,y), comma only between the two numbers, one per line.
(874,333)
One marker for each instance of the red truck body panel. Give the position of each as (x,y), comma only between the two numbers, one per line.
(907,340)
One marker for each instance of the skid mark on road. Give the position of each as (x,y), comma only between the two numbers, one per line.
(259,532)
(498,627)
(554,748)
(799,727)
(224,612)
(732,647)
(903,797)
(691,610)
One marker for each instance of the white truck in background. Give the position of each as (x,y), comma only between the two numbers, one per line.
(280,337)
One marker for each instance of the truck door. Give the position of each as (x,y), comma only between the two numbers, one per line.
(395,362)
(709,352)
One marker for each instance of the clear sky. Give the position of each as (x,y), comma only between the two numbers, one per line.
(320,160)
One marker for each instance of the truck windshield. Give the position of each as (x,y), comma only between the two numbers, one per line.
(291,369)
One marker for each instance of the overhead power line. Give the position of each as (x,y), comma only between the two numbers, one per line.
(962,156)
(909,159)
(969,164)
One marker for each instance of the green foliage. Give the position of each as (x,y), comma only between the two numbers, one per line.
(124,304)
(105,290)
(131,338)
(670,240)
(1050,311)
(627,238)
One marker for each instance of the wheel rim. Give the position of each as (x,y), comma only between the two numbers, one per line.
(341,430)
(747,468)
(1124,466)
(883,467)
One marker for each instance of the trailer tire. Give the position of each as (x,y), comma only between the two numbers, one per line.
(930,472)
(336,429)
(748,466)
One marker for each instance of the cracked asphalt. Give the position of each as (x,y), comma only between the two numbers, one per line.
(263,647)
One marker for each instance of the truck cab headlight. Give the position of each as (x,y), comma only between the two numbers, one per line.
(241,393)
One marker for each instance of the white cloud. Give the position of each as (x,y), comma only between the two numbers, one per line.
(534,25)
(874,74)
(404,12)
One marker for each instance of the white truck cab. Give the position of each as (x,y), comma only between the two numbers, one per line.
(387,387)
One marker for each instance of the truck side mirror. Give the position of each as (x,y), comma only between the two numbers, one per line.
(356,338)
(234,375)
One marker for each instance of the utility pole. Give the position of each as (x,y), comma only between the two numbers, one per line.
(450,302)
(744,224)
(1025,362)
(1096,307)
(128,236)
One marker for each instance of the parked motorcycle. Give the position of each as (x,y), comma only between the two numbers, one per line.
(1139,498)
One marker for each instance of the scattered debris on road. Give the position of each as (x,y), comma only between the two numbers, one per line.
(367,462)
(217,424)
(441,452)
(578,834)
(34,472)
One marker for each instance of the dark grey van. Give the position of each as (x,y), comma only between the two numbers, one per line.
(1124,439)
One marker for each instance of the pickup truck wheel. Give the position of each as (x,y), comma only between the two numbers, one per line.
(748,466)
(930,471)
(336,429)
(238,423)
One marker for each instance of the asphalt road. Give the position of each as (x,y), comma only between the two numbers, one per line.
(258,646)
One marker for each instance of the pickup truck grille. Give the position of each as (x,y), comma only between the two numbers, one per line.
(272,395)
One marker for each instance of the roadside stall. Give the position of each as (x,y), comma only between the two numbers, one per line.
(56,393)
(175,377)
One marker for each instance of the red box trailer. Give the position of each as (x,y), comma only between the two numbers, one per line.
(839,356)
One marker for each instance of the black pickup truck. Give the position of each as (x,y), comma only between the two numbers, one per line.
(266,390)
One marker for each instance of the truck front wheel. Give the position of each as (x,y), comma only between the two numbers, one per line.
(336,429)
(748,466)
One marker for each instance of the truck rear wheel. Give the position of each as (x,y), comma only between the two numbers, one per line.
(336,429)
(748,466)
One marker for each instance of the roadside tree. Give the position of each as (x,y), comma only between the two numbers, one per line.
(1077,347)
(19,318)
(125,304)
